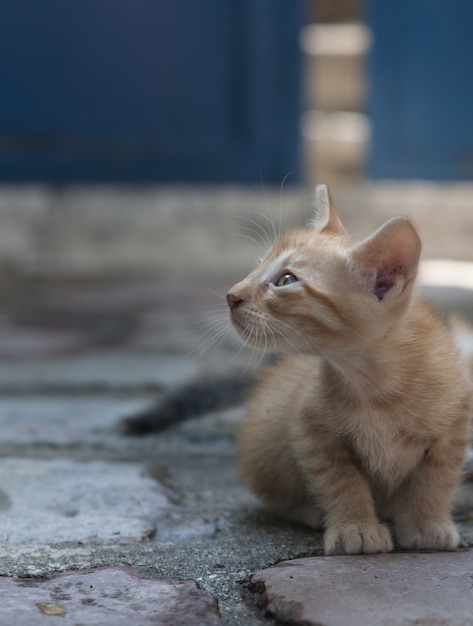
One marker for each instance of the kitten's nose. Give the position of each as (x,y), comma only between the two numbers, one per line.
(233,301)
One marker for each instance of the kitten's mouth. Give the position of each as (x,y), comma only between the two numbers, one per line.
(239,326)
(258,336)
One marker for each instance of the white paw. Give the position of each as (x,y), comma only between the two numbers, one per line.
(357,539)
(428,536)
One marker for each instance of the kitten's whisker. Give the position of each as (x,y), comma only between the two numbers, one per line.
(245,340)
(212,346)
(210,322)
(258,230)
(258,353)
(219,295)
(263,188)
(215,307)
(213,336)
(280,200)
(262,352)
(273,236)
(218,310)
(260,245)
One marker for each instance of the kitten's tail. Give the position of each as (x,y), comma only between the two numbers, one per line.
(190,400)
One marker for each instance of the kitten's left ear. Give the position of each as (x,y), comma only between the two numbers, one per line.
(390,257)
(326,218)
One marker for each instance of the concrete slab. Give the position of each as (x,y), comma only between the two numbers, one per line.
(54,501)
(200,231)
(111,595)
(116,229)
(379,590)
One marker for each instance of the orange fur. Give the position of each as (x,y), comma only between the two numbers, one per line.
(362,426)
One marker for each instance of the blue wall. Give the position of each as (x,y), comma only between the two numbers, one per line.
(149,90)
(421,100)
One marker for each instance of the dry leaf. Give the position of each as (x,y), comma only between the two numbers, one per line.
(49,608)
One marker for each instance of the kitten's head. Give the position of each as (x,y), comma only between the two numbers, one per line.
(317,289)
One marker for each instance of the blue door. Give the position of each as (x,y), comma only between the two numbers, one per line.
(149,90)
(422,89)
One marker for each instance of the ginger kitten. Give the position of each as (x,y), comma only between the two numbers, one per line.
(362,426)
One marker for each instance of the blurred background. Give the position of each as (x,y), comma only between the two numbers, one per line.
(235,91)
(145,144)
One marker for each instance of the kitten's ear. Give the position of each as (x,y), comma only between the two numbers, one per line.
(390,257)
(325,217)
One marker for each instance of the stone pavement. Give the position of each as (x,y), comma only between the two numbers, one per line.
(97,528)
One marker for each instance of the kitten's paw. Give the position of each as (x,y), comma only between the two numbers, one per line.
(429,536)
(357,539)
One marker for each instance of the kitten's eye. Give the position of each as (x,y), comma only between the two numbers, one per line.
(286,279)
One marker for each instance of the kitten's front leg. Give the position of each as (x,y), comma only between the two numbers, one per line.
(422,520)
(343,494)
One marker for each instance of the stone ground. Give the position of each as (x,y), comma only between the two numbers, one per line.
(99,528)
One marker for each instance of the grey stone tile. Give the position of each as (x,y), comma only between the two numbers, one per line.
(46,502)
(111,595)
(381,590)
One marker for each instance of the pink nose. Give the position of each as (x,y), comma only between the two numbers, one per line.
(233,301)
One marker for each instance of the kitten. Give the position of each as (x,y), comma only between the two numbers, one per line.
(363,426)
